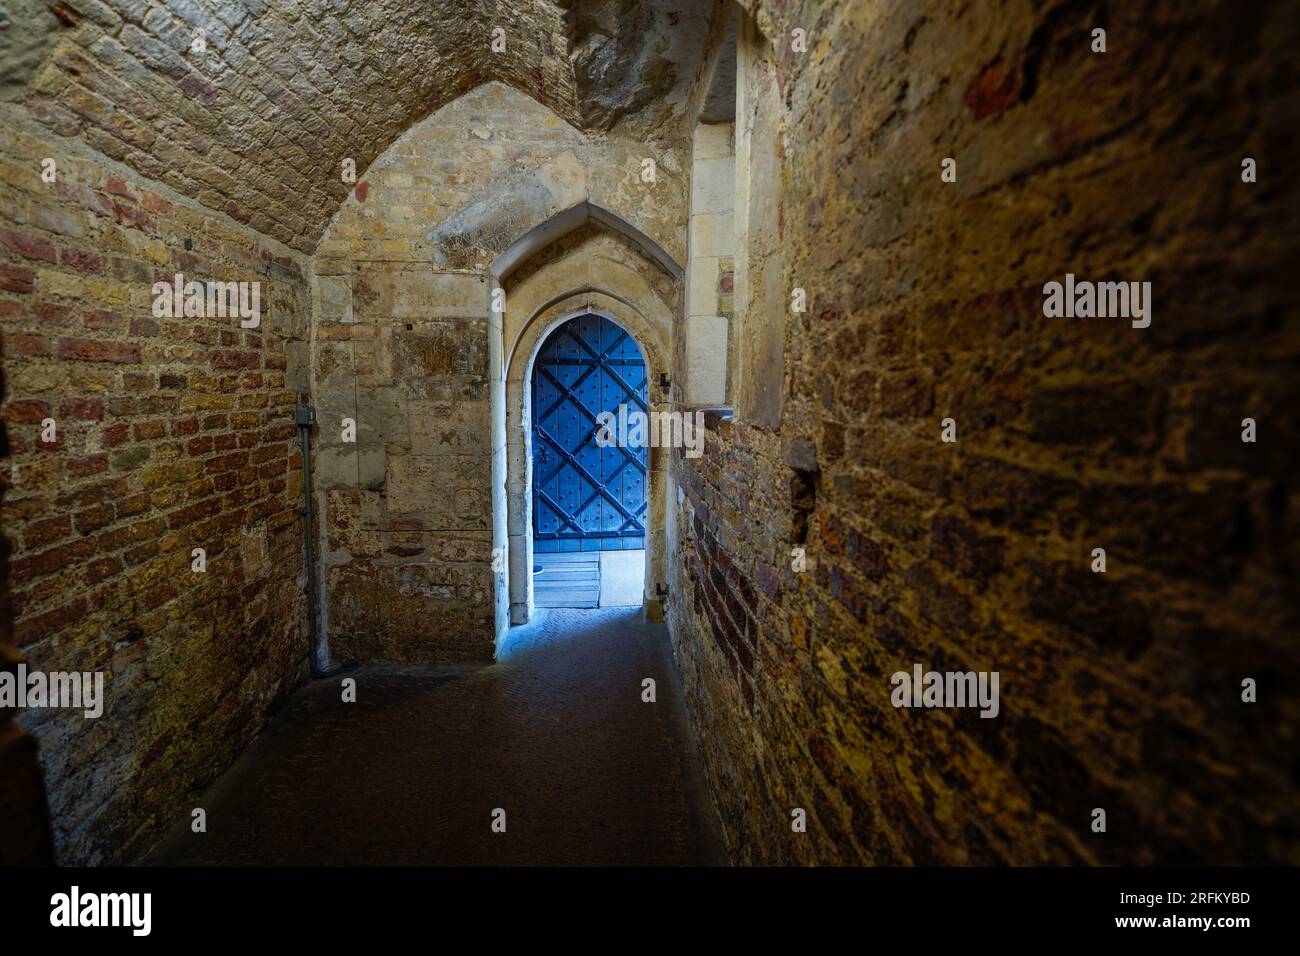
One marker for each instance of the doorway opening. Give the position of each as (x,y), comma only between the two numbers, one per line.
(590,493)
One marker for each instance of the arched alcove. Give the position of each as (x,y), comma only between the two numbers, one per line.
(624,298)
(518,468)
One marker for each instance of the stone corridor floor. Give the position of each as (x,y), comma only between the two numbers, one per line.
(555,733)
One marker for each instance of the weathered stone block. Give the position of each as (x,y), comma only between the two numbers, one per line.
(334,299)
(439,429)
(706,359)
(350,466)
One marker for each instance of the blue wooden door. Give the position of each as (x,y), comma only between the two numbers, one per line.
(587,498)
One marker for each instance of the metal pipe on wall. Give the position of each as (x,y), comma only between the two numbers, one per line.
(304,417)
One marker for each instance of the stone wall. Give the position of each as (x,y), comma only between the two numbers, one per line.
(710,269)
(1122,690)
(171,434)
(408,346)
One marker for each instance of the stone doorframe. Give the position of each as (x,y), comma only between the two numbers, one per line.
(509,372)
(518,435)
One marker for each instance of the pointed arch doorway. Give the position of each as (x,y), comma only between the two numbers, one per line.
(589,502)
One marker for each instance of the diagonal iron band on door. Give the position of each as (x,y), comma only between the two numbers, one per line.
(610,371)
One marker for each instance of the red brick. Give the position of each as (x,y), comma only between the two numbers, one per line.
(155,203)
(198,88)
(102,319)
(85,197)
(31,629)
(16,278)
(93,350)
(995,90)
(89,465)
(192,513)
(230,358)
(102,568)
(29,245)
(52,312)
(86,262)
(40,534)
(55,559)
(26,411)
(94,517)
(132,215)
(26,344)
(115,435)
(117,186)
(86,409)
(234,460)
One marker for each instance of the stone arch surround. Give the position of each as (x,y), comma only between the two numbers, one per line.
(628,295)
(519,468)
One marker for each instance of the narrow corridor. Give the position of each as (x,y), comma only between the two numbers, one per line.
(556,734)
(927,367)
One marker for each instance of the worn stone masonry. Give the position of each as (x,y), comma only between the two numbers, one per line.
(404,347)
(1119,690)
(756,192)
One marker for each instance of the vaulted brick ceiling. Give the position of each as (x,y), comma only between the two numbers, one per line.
(258,123)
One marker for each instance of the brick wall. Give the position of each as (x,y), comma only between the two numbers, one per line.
(172,434)
(24,817)
(1121,690)
(249,107)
